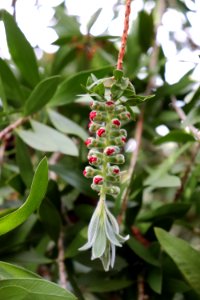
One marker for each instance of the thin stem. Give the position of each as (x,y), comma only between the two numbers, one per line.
(183,117)
(124,35)
(141,291)
(61,261)
(12,127)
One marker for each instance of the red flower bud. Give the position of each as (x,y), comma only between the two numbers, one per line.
(93,114)
(88,141)
(128,115)
(123,139)
(84,172)
(92,159)
(98,180)
(116,122)
(110,103)
(90,124)
(116,170)
(110,151)
(101,132)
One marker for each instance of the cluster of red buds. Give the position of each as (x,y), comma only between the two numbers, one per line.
(106,144)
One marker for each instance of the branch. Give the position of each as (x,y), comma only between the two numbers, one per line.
(11,127)
(141,291)
(183,117)
(61,261)
(124,35)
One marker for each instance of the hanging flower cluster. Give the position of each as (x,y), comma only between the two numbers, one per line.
(105,154)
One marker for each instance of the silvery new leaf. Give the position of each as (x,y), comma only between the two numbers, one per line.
(103,235)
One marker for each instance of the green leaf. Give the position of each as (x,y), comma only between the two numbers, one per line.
(146,30)
(45,138)
(9,271)
(177,136)
(11,85)
(50,219)
(109,285)
(118,74)
(32,288)
(185,257)
(27,258)
(3,100)
(37,192)
(137,99)
(78,241)
(164,181)
(66,125)
(69,89)
(142,252)
(41,95)
(154,280)
(20,50)
(24,162)
(93,19)
(172,210)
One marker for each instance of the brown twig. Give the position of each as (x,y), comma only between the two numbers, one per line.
(141,290)
(11,127)
(61,261)
(183,117)
(52,161)
(186,173)
(124,35)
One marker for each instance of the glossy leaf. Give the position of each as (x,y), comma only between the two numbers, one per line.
(65,125)
(9,271)
(69,89)
(20,50)
(45,138)
(36,195)
(29,288)
(41,95)
(185,257)
(177,136)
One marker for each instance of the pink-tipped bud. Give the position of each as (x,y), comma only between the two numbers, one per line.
(97,180)
(93,114)
(111,150)
(128,115)
(116,122)
(116,170)
(110,103)
(123,138)
(90,124)
(101,132)
(88,141)
(93,159)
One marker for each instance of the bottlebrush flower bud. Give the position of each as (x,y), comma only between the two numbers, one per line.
(113,179)
(88,141)
(96,105)
(97,116)
(101,132)
(89,172)
(110,106)
(124,116)
(120,109)
(116,159)
(93,115)
(116,123)
(114,170)
(93,127)
(95,143)
(97,180)
(93,160)
(111,150)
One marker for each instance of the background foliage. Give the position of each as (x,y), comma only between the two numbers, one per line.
(43,100)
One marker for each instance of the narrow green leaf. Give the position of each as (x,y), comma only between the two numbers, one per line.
(154,279)
(93,19)
(146,30)
(78,241)
(109,285)
(32,288)
(172,210)
(177,136)
(41,95)
(27,258)
(137,99)
(24,162)
(37,192)
(185,257)
(9,271)
(66,125)
(20,50)
(11,85)
(3,100)
(142,252)
(45,138)
(69,89)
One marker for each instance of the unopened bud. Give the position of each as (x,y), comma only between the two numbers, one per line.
(111,150)
(97,180)
(113,190)
(101,132)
